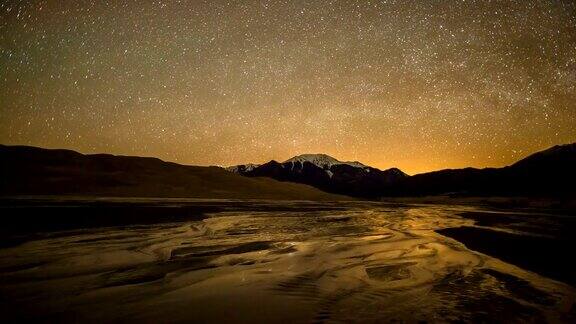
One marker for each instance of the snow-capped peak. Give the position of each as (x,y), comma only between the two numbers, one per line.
(321,160)
(242,168)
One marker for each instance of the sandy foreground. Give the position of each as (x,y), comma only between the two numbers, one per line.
(266,261)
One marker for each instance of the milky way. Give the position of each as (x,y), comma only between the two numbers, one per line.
(420,85)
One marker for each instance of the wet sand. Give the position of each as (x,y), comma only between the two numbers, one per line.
(265,261)
(538,242)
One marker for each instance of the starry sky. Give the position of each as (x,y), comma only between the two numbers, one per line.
(419,85)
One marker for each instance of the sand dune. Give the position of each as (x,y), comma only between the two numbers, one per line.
(34,171)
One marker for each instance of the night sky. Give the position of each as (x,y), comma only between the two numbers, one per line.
(419,85)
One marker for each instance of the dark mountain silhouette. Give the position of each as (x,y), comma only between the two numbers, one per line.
(28,170)
(34,171)
(546,173)
(326,173)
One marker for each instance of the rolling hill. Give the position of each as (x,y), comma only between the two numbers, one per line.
(29,170)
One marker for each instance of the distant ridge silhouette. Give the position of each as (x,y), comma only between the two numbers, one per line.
(26,170)
(327,173)
(29,170)
(547,173)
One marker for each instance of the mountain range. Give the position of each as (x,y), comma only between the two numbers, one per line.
(328,174)
(547,173)
(26,170)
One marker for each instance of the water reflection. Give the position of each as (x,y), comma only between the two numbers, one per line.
(358,262)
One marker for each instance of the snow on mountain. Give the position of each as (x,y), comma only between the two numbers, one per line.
(327,173)
(242,168)
(322,160)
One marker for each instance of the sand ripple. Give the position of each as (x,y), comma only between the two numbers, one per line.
(368,263)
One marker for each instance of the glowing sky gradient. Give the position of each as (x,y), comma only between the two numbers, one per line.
(419,85)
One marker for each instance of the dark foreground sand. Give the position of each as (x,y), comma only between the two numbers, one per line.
(540,243)
(215,261)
